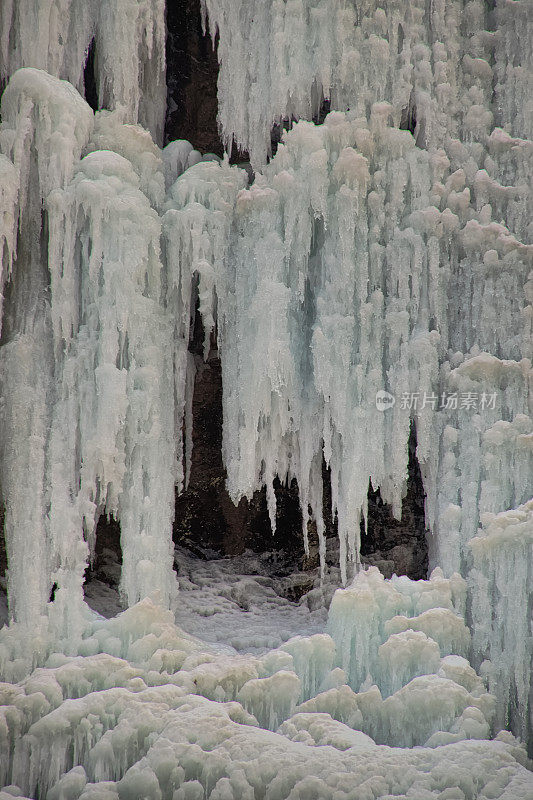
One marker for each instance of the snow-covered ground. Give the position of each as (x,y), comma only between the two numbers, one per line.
(245,603)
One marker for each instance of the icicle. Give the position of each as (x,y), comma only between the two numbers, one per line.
(8,223)
(502,580)
(121,366)
(196,229)
(129,41)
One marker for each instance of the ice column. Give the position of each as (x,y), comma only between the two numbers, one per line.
(119,368)
(501,586)
(45,124)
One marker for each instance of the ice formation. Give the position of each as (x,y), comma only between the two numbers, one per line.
(501,579)
(279,60)
(141,709)
(128,42)
(375,274)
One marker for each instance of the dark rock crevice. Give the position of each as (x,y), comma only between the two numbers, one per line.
(398,545)
(192,75)
(209,524)
(89,78)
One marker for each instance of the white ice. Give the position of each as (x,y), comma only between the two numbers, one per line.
(362,258)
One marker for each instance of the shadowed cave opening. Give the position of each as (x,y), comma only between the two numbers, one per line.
(209,525)
(408,120)
(107,548)
(398,545)
(102,576)
(89,77)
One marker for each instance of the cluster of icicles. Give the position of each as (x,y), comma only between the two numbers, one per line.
(361,259)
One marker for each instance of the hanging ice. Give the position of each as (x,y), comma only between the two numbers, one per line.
(128,38)
(351,204)
(376,274)
(279,60)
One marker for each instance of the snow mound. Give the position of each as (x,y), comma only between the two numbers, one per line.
(144,710)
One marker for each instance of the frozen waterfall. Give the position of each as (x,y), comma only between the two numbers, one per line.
(375,274)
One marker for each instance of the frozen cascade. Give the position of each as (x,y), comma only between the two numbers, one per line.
(129,41)
(121,368)
(362,259)
(502,579)
(45,124)
(352,203)
(96,359)
(373,611)
(279,60)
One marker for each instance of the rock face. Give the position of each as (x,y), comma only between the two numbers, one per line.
(207,520)
(192,72)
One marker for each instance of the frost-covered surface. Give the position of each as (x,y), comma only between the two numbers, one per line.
(216,593)
(362,259)
(143,709)
(128,37)
(278,60)
(241,602)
